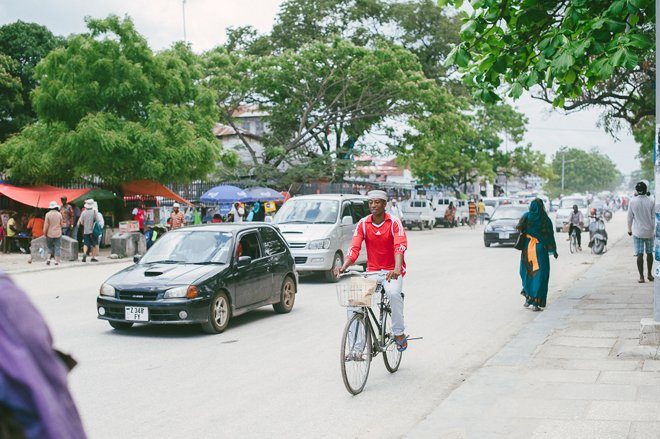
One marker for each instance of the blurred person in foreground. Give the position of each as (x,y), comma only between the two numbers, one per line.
(35,402)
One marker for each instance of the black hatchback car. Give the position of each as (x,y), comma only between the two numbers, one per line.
(501,229)
(205,275)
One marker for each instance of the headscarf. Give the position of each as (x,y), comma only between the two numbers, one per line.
(537,223)
(256,207)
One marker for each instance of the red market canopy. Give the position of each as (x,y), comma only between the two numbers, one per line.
(39,196)
(153,188)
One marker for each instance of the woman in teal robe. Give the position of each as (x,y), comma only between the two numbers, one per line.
(538,241)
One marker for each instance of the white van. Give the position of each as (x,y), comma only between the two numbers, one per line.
(417,213)
(319,230)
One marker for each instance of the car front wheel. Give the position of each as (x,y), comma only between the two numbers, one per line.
(337,261)
(287,296)
(219,314)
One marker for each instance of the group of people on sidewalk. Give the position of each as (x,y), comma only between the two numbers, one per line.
(58,223)
(537,242)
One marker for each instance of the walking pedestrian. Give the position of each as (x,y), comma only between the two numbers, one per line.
(641,224)
(53,231)
(67,217)
(99,228)
(87,220)
(177,219)
(481,209)
(538,241)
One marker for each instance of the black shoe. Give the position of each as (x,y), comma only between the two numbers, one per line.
(84,257)
(48,262)
(93,260)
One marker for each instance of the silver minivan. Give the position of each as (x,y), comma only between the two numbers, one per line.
(319,229)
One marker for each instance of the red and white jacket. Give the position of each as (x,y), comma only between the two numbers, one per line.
(383,241)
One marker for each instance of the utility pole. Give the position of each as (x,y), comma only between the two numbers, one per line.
(183,7)
(650,327)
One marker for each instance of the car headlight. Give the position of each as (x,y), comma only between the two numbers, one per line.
(319,244)
(488,228)
(107,290)
(187,291)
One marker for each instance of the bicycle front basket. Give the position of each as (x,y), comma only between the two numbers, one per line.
(359,292)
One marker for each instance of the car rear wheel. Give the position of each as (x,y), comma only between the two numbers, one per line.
(219,314)
(337,261)
(287,296)
(122,326)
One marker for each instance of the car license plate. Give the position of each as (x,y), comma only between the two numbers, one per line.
(137,313)
(504,235)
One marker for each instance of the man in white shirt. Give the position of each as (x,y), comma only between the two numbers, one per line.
(641,226)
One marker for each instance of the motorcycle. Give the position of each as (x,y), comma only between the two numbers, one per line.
(607,215)
(597,235)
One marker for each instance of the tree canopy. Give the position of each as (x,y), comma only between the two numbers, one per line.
(22,46)
(579,52)
(583,171)
(109,107)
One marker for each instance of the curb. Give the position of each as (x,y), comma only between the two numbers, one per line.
(70,265)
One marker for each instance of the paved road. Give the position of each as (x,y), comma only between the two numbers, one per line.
(275,375)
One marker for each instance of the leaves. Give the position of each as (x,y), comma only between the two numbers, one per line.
(109,107)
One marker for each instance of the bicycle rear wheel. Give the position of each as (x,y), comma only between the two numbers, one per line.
(355,355)
(391,356)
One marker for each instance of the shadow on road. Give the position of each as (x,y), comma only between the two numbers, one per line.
(193,331)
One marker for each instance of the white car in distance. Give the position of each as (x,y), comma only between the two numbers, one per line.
(566,208)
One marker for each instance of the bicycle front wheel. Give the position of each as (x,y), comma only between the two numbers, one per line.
(573,246)
(391,355)
(356,353)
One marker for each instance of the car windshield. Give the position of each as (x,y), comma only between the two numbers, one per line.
(492,203)
(567,203)
(308,211)
(190,247)
(509,212)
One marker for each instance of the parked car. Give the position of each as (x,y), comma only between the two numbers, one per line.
(566,208)
(417,213)
(319,230)
(204,274)
(501,229)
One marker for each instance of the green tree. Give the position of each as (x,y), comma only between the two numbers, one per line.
(22,46)
(111,108)
(321,99)
(583,171)
(579,52)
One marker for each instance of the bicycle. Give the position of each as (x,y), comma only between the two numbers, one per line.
(360,343)
(573,243)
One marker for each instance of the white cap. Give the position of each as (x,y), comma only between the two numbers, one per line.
(89,203)
(176,205)
(53,205)
(377,195)
(134,211)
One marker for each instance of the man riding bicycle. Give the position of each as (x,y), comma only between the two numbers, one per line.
(386,242)
(576,222)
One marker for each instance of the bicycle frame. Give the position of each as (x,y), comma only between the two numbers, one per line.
(383,306)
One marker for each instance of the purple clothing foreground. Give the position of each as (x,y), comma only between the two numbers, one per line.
(33,379)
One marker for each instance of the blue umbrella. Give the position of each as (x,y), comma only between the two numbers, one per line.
(223,195)
(263,194)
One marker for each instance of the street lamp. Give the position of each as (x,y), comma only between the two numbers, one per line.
(183,7)
(563,165)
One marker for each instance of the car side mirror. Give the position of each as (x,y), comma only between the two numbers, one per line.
(137,258)
(347,221)
(244,260)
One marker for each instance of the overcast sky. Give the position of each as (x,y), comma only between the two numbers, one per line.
(161,22)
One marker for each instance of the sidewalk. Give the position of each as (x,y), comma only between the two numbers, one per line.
(576,371)
(16,263)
